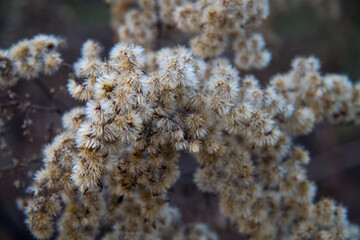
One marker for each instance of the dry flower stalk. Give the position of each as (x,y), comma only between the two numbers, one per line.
(108,173)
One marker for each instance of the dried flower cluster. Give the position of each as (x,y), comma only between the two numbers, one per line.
(121,150)
(134,25)
(214,24)
(108,173)
(29,58)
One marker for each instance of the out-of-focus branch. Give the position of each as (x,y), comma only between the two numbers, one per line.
(346,151)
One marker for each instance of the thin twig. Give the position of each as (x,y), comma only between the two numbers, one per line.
(20,165)
(62,106)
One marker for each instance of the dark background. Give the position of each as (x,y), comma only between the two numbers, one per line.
(300,30)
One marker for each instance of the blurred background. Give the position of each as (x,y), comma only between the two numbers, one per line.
(299,29)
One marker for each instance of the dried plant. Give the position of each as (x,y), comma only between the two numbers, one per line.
(107,174)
